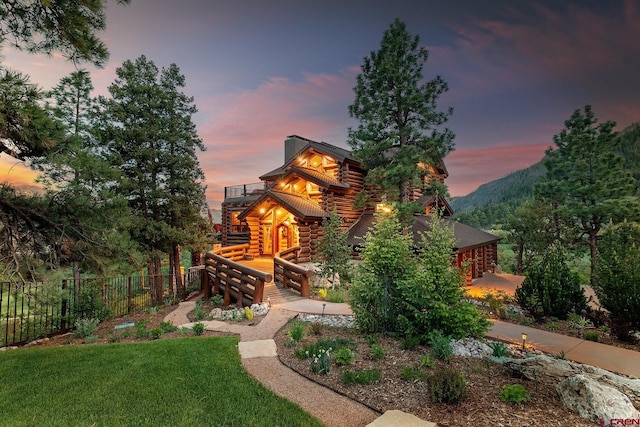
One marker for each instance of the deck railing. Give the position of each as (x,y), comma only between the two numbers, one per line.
(236,282)
(290,275)
(244,190)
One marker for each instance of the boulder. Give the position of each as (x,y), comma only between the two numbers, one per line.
(595,401)
(560,369)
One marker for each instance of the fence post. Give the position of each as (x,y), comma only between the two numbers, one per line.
(63,308)
(129,296)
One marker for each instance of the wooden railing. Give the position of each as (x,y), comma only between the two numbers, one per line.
(234,253)
(290,275)
(236,282)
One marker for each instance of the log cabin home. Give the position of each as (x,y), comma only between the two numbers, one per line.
(287,207)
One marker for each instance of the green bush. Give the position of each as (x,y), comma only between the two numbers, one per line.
(446,385)
(396,291)
(141,329)
(592,336)
(441,346)
(551,288)
(499,349)
(86,327)
(296,331)
(198,328)
(412,373)
(156,333)
(366,376)
(344,356)
(377,351)
(426,362)
(168,327)
(618,275)
(217,300)
(514,393)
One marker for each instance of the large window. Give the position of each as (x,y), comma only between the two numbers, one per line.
(238,226)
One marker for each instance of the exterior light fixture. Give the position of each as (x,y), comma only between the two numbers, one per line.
(262,210)
(269,302)
(524,340)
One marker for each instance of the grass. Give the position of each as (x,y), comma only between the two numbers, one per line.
(185,382)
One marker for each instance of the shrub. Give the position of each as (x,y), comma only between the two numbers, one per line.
(156,333)
(618,275)
(592,336)
(168,327)
(217,300)
(198,328)
(344,356)
(364,377)
(322,293)
(412,373)
(514,393)
(441,346)
(446,385)
(377,352)
(335,296)
(141,329)
(410,342)
(499,349)
(551,288)
(86,327)
(426,362)
(317,328)
(296,331)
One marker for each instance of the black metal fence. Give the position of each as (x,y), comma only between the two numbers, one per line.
(29,311)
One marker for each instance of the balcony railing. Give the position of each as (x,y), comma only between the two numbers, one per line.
(244,190)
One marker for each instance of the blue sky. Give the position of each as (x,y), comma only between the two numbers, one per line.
(263,70)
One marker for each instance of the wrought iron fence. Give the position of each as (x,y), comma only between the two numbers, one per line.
(29,311)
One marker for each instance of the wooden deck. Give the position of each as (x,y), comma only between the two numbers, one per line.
(275,294)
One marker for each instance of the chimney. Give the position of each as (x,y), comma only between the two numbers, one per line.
(292,146)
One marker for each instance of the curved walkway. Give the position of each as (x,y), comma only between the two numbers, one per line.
(259,357)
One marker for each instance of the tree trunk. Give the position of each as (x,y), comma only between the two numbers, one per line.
(177,271)
(155,280)
(593,248)
(519,255)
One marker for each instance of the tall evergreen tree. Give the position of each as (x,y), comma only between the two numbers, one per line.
(65,26)
(150,136)
(586,179)
(399,123)
(78,181)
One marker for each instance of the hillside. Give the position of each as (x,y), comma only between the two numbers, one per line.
(517,185)
(491,204)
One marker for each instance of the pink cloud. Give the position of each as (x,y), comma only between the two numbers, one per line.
(244,131)
(470,168)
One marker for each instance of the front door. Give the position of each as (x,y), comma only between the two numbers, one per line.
(283,237)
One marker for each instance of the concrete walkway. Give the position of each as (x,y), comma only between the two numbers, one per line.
(614,359)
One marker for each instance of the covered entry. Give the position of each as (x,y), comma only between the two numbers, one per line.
(280,220)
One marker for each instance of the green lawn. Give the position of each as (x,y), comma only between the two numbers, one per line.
(172,382)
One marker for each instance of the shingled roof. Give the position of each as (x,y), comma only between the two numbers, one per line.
(300,207)
(466,237)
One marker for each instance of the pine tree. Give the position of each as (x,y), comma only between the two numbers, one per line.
(398,132)
(150,136)
(333,252)
(586,179)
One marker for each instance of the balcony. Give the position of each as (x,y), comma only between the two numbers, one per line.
(244,190)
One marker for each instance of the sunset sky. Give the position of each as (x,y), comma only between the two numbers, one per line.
(262,70)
